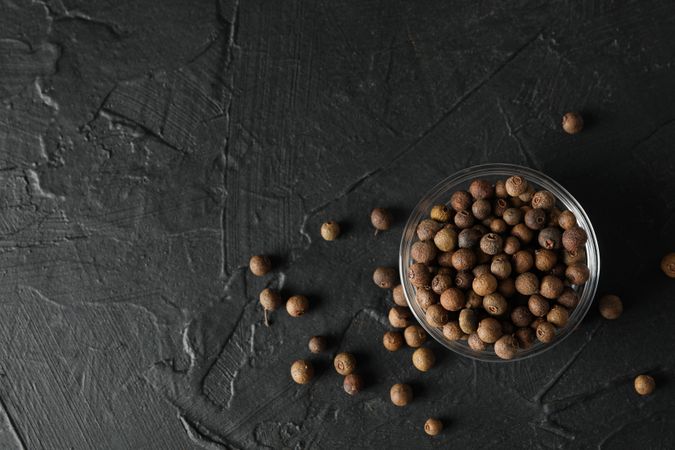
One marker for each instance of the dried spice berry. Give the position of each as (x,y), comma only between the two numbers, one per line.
(551,287)
(491,244)
(469,238)
(545,332)
(610,307)
(460,200)
(385,277)
(569,299)
(495,304)
(575,256)
(473,300)
(527,283)
(401,394)
(452,331)
(535,219)
(352,384)
(544,200)
(423,251)
(550,238)
(523,233)
(453,299)
(506,347)
(572,122)
(521,316)
(270,300)
(668,265)
(484,284)
(526,196)
(500,205)
(260,265)
(516,185)
(512,216)
(511,245)
(399,296)
(425,297)
(500,189)
(574,238)
(553,216)
(544,259)
(440,213)
(481,189)
(489,330)
(567,220)
(423,359)
(415,336)
(468,321)
(481,269)
(481,209)
(344,363)
(558,316)
(644,384)
(392,340)
(464,219)
(433,427)
(522,261)
(317,344)
(297,305)
(441,282)
(497,226)
(501,267)
(525,337)
(463,279)
(436,315)
(302,371)
(538,305)
(427,229)
(381,219)
(399,317)
(507,287)
(446,239)
(330,230)
(463,259)
(419,275)
(475,343)
(577,274)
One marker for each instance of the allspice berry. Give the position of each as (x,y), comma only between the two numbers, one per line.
(344,363)
(501,267)
(491,244)
(425,297)
(481,209)
(527,283)
(317,344)
(544,200)
(558,316)
(446,239)
(511,245)
(260,265)
(469,238)
(610,306)
(484,284)
(497,225)
(506,347)
(516,185)
(401,394)
(415,336)
(453,299)
(550,238)
(538,305)
(445,259)
(521,316)
(574,238)
(523,233)
(419,275)
(385,277)
(500,189)
(302,371)
(569,299)
(535,219)
(269,300)
(352,384)
(392,340)
(577,274)
(297,305)
(468,321)
(423,359)
(330,230)
(399,317)
(463,259)
(398,295)
(644,384)
(381,219)
(544,259)
(427,229)
(522,261)
(572,122)
(423,252)
(567,220)
(545,332)
(495,304)
(452,331)
(551,287)
(574,256)
(489,330)
(464,219)
(433,427)
(441,213)
(481,189)
(436,315)
(499,207)
(512,216)
(525,337)
(441,282)
(668,265)
(463,279)
(475,343)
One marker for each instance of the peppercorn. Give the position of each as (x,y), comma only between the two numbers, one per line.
(469,238)
(644,384)
(453,299)
(302,371)
(446,239)
(464,219)
(521,316)
(419,275)
(506,347)
(385,277)
(498,226)
(553,216)
(544,259)
(415,336)
(527,283)
(425,297)
(500,206)
(475,343)
(522,261)
(441,282)
(512,216)
(526,196)
(569,299)
(468,321)
(436,315)
(549,238)
(352,384)
(317,344)
(427,229)
(392,340)
(463,259)
(398,295)
(481,269)
(452,331)
(484,284)
(535,219)
(558,316)
(423,359)
(423,251)
(401,394)
(522,232)
(440,213)
(545,332)
(506,287)
(538,305)
(260,265)
(489,330)
(577,274)
(500,189)
(344,363)
(610,307)
(574,256)
(500,267)
(668,265)
(515,185)
(399,317)
(551,287)
(297,305)
(330,230)
(495,304)
(433,427)
(511,245)
(525,337)
(481,209)
(572,122)
(463,279)
(481,189)
(544,200)
(491,244)
(473,300)
(574,238)
(381,219)
(567,220)
(269,300)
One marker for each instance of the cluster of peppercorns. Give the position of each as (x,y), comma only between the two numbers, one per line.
(498,265)
(270,299)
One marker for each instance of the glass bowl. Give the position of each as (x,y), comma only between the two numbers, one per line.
(441,193)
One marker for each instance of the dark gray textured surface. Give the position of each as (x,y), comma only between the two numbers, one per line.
(147,149)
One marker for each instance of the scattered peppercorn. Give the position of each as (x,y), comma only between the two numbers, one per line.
(644,384)
(572,122)
(401,394)
(317,344)
(260,265)
(399,317)
(297,305)
(610,306)
(270,300)
(668,265)
(352,384)
(302,371)
(385,277)
(381,219)
(415,336)
(423,359)
(330,230)
(392,340)
(398,295)
(433,427)
(344,363)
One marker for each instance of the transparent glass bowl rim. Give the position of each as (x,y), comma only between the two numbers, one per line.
(441,194)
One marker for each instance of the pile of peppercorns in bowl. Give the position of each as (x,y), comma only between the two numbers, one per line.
(499,262)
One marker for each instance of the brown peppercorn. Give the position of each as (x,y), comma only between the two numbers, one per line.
(525,337)
(469,238)
(572,122)
(575,256)
(668,265)
(352,384)
(481,189)
(425,297)
(344,363)
(506,347)
(545,332)
(516,185)
(440,213)
(452,331)
(269,300)
(491,244)
(415,336)
(500,189)
(297,305)
(453,299)
(484,284)
(535,219)
(521,316)
(523,233)
(550,238)
(574,238)
(610,306)
(260,265)
(423,252)
(501,267)
(436,315)
(419,275)
(522,261)
(399,296)
(399,317)
(544,200)
(507,287)
(423,359)
(463,279)
(401,394)
(544,259)
(567,220)
(317,344)
(526,196)
(527,283)
(468,321)
(460,200)
(558,316)
(441,282)
(512,216)
(495,304)
(473,300)
(392,340)
(577,274)
(302,371)
(538,305)
(498,226)
(481,209)
(464,219)
(500,205)
(475,343)
(553,216)
(481,269)
(427,229)
(385,277)
(644,384)
(463,259)
(551,287)
(569,299)
(330,230)
(433,427)
(446,239)
(381,219)
(511,245)
(489,330)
